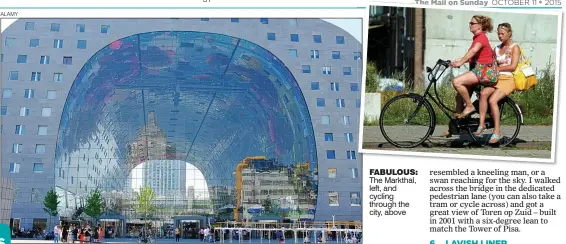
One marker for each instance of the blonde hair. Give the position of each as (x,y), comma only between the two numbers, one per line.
(507,27)
(485,22)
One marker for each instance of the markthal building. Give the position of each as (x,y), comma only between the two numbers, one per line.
(244,120)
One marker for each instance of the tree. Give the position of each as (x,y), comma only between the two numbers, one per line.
(50,204)
(145,202)
(267,205)
(94,205)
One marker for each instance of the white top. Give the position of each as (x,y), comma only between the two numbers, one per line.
(505,58)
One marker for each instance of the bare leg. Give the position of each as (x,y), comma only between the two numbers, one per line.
(484,96)
(461,84)
(494,106)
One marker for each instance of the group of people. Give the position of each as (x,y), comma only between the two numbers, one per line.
(73,233)
(491,68)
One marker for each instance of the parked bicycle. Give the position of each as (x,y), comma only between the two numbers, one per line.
(416,113)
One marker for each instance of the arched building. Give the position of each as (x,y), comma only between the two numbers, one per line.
(179,104)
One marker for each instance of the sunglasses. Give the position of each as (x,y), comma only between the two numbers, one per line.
(473,23)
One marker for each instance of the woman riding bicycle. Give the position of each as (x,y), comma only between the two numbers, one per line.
(507,57)
(480,56)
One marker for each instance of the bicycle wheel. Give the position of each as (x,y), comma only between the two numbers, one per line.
(405,117)
(511,120)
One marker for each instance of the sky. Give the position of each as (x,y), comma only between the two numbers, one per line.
(352,26)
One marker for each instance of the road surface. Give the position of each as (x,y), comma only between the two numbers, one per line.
(532,142)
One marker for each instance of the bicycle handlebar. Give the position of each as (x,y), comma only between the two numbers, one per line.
(432,72)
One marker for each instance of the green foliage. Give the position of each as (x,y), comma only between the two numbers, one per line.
(537,104)
(50,203)
(94,205)
(145,201)
(267,205)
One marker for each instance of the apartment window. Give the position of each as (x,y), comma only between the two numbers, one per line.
(14,168)
(294,37)
(7,93)
(13,75)
(17,148)
(334,86)
(38,167)
(326,70)
(306,69)
(235,20)
(9,41)
(264,21)
(349,137)
(51,94)
(55,26)
(57,43)
(340,103)
(315,54)
(34,43)
(293,53)
(315,85)
(355,199)
(346,120)
(351,155)
(40,149)
(68,60)
(335,55)
(35,76)
(354,173)
(271,36)
(81,44)
(357,55)
(354,87)
(325,119)
(45,112)
(4,110)
(29,93)
(20,129)
(80,28)
(317,38)
(24,111)
(331,173)
(1,58)
(44,60)
(320,102)
(333,198)
(58,77)
(42,130)
(104,29)
(358,103)
(340,40)
(328,137)
(22,59)
(30,26)
(330,154)
(347,70)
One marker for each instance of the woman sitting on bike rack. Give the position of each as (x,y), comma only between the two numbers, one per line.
(507,57)
(480,56)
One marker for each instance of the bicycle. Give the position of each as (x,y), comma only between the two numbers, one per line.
(457,126)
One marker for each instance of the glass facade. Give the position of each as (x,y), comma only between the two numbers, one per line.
(180,112)
(223,126)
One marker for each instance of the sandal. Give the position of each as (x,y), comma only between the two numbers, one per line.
(479,131)
(495,138)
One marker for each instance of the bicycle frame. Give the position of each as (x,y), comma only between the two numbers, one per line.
(433,77)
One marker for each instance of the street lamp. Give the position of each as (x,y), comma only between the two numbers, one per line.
(333,222)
